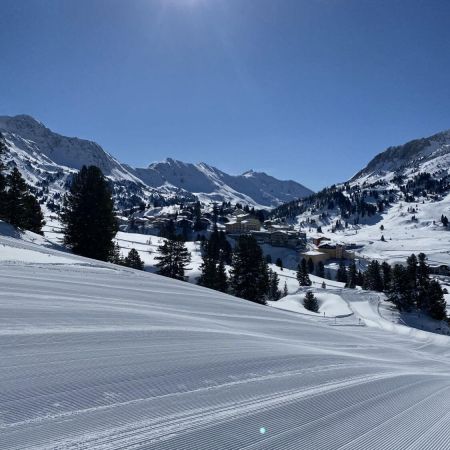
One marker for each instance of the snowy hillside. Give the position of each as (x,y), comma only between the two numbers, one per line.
(96,356)
(391,208)
(47,159)
(431,154)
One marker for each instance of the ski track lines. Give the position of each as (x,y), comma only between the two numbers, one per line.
(94,358)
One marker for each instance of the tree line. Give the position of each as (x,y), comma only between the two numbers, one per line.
(18,206)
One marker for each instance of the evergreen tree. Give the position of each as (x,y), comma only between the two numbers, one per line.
(198,226)
(372,278)
(310,266)
(115,255)
(279,263)
(88,215)
(208,270)
(216,252)
(249,272)
(320,269)
(221,277)
(269,259)
(310,302)
(20,207)
(168,230)
(14,201)
(303,274)
(274,292)
(436,301)
(217,247)
(352,276)
(400,292)
(172,259)
(422,283)
(387,277)
(360,279)
(3,150)
(342,275)
(133,260)
(33,218)
(285,290)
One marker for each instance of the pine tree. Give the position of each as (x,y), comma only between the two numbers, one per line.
(168,230)
(15,198)
(422,283)
(352,275)
(274,292)
(303,274)
(3,150)
(320,269)
(400,292)
(342,275)
(198,226)
(310,302)
(436,301)
(208,271)
(216,251)
(372,278)
(249,273)
(115,255)
(310,265)
(221,277)
(279,263)
(20,207)
(285,290)
(387,275)
(172,259)
(133,260)
(33,219)
(88,215)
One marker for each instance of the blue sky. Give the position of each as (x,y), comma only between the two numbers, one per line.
(303,89)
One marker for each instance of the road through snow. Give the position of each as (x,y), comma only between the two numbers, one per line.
(103,358)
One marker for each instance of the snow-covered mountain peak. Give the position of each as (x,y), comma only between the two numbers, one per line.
(39,152)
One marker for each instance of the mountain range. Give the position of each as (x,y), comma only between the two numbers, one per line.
(48,159)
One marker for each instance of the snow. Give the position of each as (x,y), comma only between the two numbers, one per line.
(330,305)
(402,235)
(96,356)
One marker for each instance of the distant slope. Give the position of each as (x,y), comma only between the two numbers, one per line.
(96,356)
(47,159)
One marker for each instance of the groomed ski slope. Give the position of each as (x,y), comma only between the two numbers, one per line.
(99,357)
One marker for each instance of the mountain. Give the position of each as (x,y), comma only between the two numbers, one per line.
(48,159)
(430,154)
(392,207)
(211,184)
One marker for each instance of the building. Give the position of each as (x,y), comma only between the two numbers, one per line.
(315,255)
(278,238)
(242,223)
(318,239)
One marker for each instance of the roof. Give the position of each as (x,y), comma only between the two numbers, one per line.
(313,253)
